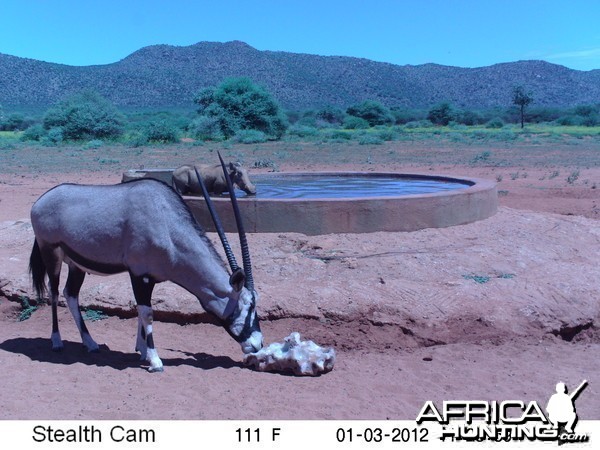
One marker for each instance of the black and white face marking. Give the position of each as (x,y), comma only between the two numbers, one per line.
(243,324)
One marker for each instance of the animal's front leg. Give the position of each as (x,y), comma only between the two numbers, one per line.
(146,340)
(142,290)
(140,342)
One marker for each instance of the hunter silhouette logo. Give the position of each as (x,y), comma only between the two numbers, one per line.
(509,420)
(561,409)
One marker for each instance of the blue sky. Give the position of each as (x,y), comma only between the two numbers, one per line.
(466,33)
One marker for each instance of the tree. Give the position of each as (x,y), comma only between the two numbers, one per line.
(86,115)
(441,114)
(522,99)
(239,104)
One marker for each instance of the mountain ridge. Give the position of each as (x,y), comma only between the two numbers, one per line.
(163,76)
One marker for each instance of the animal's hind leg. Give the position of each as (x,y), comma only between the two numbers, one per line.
(142,290)
(71,293)
(53,261)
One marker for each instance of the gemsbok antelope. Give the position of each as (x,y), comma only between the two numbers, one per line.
(142,227)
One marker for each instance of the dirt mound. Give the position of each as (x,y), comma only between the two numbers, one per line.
(510,275)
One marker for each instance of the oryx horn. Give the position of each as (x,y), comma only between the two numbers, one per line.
(218,226)
(240,226)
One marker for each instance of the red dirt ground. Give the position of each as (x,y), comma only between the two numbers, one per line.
(404,311)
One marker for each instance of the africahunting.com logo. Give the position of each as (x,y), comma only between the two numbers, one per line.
(510,420)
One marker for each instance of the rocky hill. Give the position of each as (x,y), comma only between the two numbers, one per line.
(164,76)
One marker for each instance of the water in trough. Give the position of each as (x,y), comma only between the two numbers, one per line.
(334,186)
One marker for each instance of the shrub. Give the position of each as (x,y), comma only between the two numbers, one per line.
(250,137)
(137,139)
(93,144)
(402,116)
(55,136)
(331,115)
(293,116)
(206,129)
(355,123)
(302,131)
(505,135)
(591,120)
(543,114)
(568,120)
(373,112)
(370,139)
(496,122)
(14,122)
(85,116)
(469,118)
(481,157)
(33,133)
(338,135)
(586,110)
(162,132)
(418,124)
(239,104)
(386,135)
(441,114)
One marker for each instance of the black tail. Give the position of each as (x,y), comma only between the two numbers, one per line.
(37,269)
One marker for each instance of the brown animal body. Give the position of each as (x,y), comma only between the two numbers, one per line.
(185,180)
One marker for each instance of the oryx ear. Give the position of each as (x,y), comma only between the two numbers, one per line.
(232,167)
(237,280)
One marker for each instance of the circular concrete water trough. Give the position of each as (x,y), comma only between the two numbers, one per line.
(470,199)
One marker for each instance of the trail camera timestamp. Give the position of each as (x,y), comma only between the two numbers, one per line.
(382,435)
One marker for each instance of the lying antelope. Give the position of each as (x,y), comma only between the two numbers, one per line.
(142,227)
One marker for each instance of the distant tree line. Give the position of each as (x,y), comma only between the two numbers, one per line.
(243,111)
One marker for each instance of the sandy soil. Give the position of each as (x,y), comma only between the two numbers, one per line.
(499,309)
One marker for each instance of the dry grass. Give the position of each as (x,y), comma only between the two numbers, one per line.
(539,151)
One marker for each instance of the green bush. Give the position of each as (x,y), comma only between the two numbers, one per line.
(331,115)
(14,122)
(441,114)
(418,124)
(370,139)
(55,136)
(136,138)
(543,114)
(85,116)
(469,118)
(93,144)
(206,128)
(355,123)
(386,134)
(33,133)
(373,112)
(239,104)
(496,122)
(302,131)
(162,132)
(250,137)
(402,116)
(505,135)
(308,119)
(338,135)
